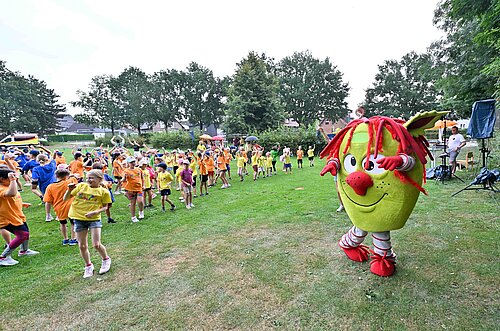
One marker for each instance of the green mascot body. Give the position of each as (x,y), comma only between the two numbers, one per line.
(379,163)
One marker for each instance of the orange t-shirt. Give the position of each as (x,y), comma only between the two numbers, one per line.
(300,154)
(60,160)
(11,209)
(210,164)
(14,163)
(132,179)
(203,167)
(54,195)
(76,167)
(228,157)
(221,162)
(117,168)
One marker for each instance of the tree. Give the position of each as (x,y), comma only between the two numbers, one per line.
(100,104)
(168,102)
(134,95)
(26,104)
(311,89)
(253,103)
(202,93)
(403,88)
(470,52)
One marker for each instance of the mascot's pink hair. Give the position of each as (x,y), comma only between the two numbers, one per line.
(407,144)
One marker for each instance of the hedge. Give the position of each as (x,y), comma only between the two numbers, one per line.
(69,137)
(106,141)
(293,138)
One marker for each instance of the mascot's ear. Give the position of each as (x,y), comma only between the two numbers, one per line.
(422,121)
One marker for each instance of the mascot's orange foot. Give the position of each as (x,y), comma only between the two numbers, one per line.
(382,265)
(358,254)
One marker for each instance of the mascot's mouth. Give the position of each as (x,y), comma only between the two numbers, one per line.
(359,204)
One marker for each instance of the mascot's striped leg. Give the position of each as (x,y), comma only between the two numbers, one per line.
(351,244)
(383,261)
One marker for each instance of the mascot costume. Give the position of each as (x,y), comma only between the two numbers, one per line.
(380,165)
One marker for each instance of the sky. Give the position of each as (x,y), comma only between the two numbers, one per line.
(66,43)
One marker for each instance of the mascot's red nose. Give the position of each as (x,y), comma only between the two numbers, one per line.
(359,181)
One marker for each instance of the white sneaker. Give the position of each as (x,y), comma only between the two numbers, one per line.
(27,184)
(188,207)
(191,205)
(89,271)
(106,264)
(7,261)
(340,208)
(141,215)
(117,193)
(153,196)
(223,186)
(28,252)
(228,185)
(48,218)
(134,219)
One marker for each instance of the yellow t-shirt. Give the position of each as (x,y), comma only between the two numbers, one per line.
(165,180)
(262,161)
(310,152)
(255,159)
(146,178)
(169,161)
(287,159)
(240,161)
(88,199)
(269,162)
(193,167)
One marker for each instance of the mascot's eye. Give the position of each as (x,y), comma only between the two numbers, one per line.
(373,167)
(350,163)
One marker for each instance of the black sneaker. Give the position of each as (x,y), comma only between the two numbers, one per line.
(163,209)
(172,208)
(110,220)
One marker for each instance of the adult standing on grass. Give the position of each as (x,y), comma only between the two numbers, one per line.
(455,144)
(90,200)
(13,219)
(274,155)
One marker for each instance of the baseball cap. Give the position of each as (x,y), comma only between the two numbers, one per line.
(130,159)
(186,162)
(34,152)
(59,153)
(143,161)
(162,165)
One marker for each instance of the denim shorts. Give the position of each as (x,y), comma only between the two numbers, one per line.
(85,225)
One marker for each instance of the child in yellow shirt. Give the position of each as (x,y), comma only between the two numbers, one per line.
(164,181)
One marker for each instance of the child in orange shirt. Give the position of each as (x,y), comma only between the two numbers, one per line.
(221,166)
(76,166)
(118,172)
(203,173)
(209,162)
(134,185)
(228,157)
(300,156)
(13,219)
(54,196)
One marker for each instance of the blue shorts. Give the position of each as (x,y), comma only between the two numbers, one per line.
(288,166)
(85,225)
(228,167)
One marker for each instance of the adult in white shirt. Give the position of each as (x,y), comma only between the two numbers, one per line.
(455,143)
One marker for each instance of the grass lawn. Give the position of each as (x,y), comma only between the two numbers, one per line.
(264,255)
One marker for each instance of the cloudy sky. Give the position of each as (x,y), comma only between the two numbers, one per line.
(66,43)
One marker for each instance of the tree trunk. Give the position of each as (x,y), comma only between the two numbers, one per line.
(201,126)
(166,126)
(139,129)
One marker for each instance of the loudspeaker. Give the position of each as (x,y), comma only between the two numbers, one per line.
(482,120)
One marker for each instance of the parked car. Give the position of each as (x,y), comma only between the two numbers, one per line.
(20,140)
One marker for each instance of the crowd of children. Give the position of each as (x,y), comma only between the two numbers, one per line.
(79,191)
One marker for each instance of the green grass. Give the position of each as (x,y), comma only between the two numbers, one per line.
(264,255)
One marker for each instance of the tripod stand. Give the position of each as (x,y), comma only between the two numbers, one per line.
(485,179)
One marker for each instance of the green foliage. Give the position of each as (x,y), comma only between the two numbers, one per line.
(100,104)
(293,138)
(202,95)
(69,137)
(173,139)
(470,52)
(253,103)
(403,88)
(311,89)
(27,104)
(106,141)
(167,88)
